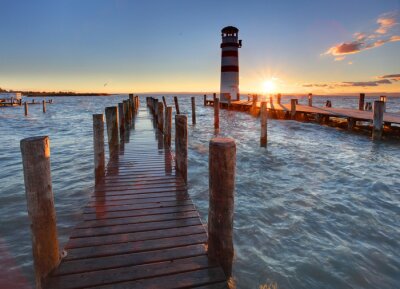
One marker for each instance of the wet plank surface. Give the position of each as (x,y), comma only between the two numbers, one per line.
(140,228)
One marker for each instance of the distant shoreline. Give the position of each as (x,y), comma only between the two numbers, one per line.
(64,94)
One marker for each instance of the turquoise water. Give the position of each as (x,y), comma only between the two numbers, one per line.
(318,208)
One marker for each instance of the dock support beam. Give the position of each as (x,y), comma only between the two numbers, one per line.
(350,123)
(361,101)
(98,147)
(121,120)
(216,113)
(181,145)
(168,126)
(176,105)
(384,99)
(263,119)
(160,116)
(40,201)
(293,103)
(26,107)
(44,106)
(278,98)
(193,110)
(310,99)
(222,166)
(378,120)
(112,128)
(205,100)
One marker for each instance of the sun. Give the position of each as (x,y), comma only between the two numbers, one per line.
(269,86)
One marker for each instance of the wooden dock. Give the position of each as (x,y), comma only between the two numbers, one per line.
(140,228)
(359,115)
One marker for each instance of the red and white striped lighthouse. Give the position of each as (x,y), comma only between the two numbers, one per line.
(230,63)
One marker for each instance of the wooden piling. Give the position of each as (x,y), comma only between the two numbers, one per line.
(293,103)
(133,105)
(263,119)
(168,126)
(164,101)
(222,166)
(310,99)
(44,106)
(350,123)
(98,147)
(26,107)
(181,145)
(214,96)
(253,109)
(160,116)
(193,110)
(121,120)
(361,100)
(176,105)
(216,113)
(205,100)
(40,202)
(378,120)
(278,98)
(112,128)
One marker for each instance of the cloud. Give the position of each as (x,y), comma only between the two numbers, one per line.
(315,85)
(394,77)
(345,48)
(387,31)
(354,83)
(366,83)
(386,22)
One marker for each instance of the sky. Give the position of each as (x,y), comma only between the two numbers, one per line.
(121,46)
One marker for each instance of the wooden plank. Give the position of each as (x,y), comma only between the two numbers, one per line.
(110,262)
(140,219)
(128,207)
(133,237)
(132,273)
(176,281)
(130,228)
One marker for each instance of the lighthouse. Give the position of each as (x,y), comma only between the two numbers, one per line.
(230,64)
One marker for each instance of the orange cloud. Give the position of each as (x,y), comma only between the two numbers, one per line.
(388,24)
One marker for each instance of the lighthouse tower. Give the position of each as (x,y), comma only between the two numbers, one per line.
(230,64)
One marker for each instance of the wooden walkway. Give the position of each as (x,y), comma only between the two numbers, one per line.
(355,114)
(140,229)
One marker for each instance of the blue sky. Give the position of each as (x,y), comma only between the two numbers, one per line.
(141,46)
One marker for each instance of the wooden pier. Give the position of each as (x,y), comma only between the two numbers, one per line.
(343,117)
(140,228)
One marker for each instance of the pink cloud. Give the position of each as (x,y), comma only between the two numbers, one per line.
(386,22)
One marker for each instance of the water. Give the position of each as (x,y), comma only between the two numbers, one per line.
(319,208)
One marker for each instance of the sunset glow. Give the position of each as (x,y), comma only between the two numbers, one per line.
(269,87)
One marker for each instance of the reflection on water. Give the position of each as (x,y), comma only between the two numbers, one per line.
(318,208)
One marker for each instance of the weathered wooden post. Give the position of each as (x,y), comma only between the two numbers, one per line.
(168,126)
(193,110)
(222,166)
(121,120)
(176,105)
(278,98)
(350,123)
(26,107)
(181,145)
(112,128)
(44,106)
(164,101)
(98,147)
(216,113)
(310,99)
(160,116)
(293,103)
(214,96)
(378,120)
(205,100)
(40,202)
(384,99)
(361,100)
(263,119)
(133,105)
